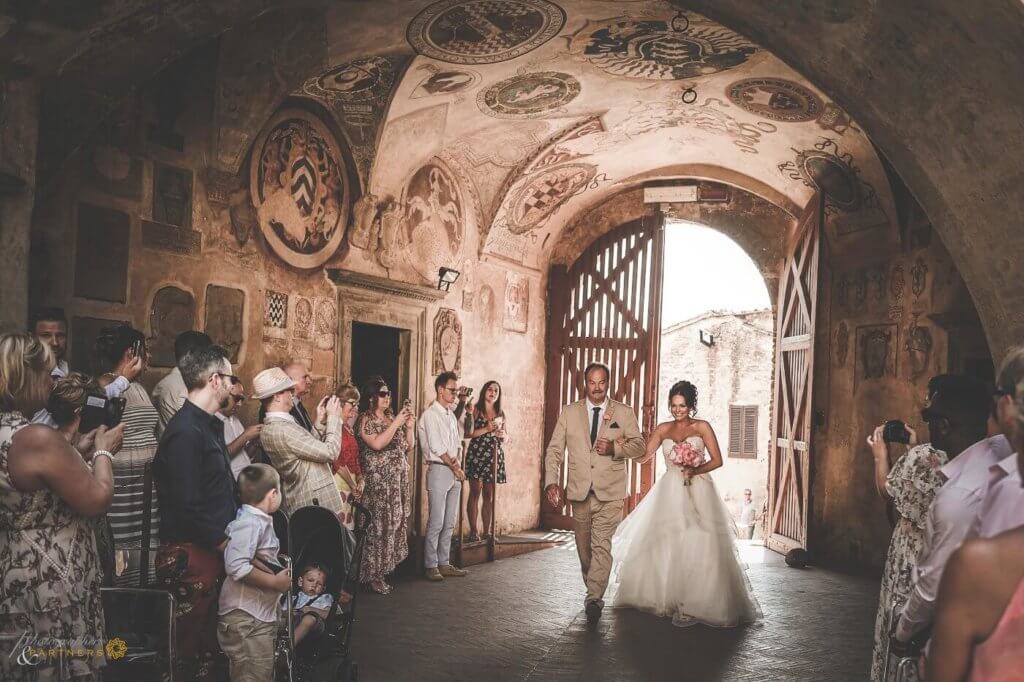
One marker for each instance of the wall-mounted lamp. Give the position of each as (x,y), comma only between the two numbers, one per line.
(707,338)
(446,278)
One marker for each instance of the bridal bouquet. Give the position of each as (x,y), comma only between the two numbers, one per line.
(685,455)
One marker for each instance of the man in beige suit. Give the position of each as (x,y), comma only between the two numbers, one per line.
(600,434)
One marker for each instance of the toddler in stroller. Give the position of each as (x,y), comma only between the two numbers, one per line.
(311,605)
(316,645)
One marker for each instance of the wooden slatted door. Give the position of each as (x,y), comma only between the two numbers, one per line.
(607,308)
(790,447)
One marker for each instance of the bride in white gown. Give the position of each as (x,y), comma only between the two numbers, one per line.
(674,555)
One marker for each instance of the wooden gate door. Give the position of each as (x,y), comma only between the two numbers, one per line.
(607,308)
(790,448)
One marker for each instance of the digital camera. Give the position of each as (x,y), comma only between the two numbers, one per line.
(895,431)
(99,410)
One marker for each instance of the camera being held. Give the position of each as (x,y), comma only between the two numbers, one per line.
(895,431)
(99,410)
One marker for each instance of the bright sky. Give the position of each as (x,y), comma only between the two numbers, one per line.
(705,270)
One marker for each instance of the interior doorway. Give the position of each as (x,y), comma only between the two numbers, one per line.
(377,350)
(718,333)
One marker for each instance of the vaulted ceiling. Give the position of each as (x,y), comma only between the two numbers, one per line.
(542,109)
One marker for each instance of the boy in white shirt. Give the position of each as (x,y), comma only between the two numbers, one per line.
(247,613)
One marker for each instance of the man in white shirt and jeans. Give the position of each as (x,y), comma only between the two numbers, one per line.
(441,440)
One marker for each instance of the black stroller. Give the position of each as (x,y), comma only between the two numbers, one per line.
(315,535)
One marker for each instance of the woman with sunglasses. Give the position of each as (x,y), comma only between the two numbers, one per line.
(385,440)
(348,474)
(117,347)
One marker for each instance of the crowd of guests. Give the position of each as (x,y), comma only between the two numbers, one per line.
(952,593)
(181,493)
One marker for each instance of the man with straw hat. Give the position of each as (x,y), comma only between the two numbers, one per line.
(302,458)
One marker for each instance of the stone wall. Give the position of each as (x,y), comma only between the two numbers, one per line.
(138,227)
(735,370)
(886,325)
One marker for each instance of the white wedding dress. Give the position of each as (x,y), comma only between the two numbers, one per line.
(674,555)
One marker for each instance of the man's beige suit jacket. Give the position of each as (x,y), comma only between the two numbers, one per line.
(606,475)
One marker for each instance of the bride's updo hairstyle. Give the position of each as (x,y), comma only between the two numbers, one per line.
(688,391)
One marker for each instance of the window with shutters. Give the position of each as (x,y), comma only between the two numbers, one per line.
(743,431)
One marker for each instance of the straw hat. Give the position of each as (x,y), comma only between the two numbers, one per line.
(270,382)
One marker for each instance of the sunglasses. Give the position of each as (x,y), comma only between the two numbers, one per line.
(383,393)
(353,403)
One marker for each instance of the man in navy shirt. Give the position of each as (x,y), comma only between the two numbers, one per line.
(197,494)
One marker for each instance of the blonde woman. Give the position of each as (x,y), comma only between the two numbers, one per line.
(50,584)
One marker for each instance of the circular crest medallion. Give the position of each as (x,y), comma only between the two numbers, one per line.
(299,189)
(484,31)
(544,193)
(775,99)
(657,49)
(836,179)
(363,80)
(528,95)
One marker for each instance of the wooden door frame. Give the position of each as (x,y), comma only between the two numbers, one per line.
(559,280)
(795,470)
(390,303)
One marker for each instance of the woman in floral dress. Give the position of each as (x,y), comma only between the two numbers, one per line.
(50,576)
(385,440)
(911,484)
(485,444)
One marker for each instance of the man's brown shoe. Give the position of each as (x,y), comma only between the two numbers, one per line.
(434,575)
(450,571)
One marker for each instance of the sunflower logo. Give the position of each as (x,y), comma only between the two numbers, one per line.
(116,648)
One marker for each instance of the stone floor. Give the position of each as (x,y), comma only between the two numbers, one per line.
(522,619)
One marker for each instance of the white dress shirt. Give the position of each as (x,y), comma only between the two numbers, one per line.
(232,430)
(949,519)
(61,370)
(169,395)
(250,535)
(439,433)
(1002,509)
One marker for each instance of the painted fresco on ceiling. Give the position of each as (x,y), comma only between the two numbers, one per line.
(363,80)
(299,188)
(357,93)
(851,203)
(776,99)
(483,31)
(438,81)
(528,95)
(681,47)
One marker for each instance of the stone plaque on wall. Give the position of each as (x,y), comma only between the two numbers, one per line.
(173,312)
(517,302)
(876,351)
(101,253)
(447,342)
(84,332)
(172,195)
(225,310)
(113,171)
(180,240)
